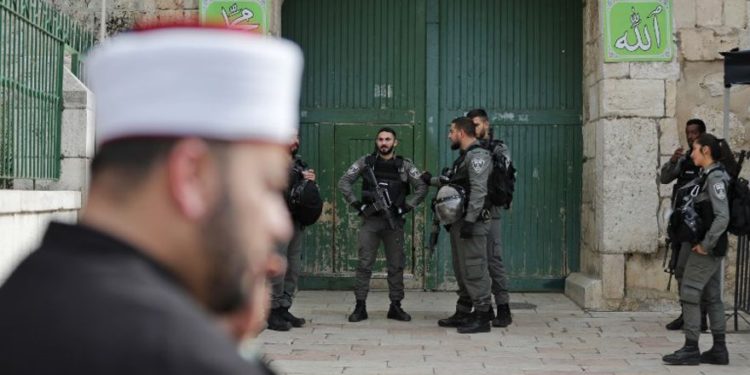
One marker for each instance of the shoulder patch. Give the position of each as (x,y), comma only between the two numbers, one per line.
(478,165)
(720,190)
(414,172)
(353,169)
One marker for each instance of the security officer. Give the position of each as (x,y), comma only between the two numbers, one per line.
(701,281)
(284,286)
(394,175)
(680,167)
(469,234)
(494,244)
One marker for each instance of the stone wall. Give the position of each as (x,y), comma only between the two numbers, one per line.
(124,14)
(634,116)
(24,216)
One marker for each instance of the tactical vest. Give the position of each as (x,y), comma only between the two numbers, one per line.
(689,172)
(706,212)
(460,176)
(391,175)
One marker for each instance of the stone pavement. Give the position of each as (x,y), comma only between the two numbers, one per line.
(551,336)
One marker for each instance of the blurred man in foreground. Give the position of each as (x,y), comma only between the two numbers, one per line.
(184,213)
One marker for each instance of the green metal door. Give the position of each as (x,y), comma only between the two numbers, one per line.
(417,64)
(521,61)
(363,70)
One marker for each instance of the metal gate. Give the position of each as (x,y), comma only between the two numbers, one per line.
(421,63)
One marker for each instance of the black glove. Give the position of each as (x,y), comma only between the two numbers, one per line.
(358,206)
(426,177)
(467,230)
(403,210)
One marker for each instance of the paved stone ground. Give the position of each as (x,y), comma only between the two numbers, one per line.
(555,338)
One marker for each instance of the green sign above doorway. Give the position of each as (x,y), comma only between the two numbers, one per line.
(637,30)
(250,15)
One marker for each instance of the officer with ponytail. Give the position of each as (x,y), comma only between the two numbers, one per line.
(701,281)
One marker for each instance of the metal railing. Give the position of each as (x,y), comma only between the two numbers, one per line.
(742,288)
(34,41)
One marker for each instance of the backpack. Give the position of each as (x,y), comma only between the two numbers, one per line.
(502,180)
(739,202)
(303,197)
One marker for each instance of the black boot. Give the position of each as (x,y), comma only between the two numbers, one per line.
(395,312)
(503,316)
(718,354)
(479,322)
(276,322)
(687,355)
(360,312)
(676,324)
(492,313)
(293,320)
(458,319)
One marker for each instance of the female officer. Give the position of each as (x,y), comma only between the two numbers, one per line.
(702,278)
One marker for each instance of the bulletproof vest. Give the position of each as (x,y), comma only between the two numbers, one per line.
(460,171)
(295,178)
(389,174)
(689,172)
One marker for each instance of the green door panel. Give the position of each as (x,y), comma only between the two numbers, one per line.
(417,64)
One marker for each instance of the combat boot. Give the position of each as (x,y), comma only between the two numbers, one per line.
(458,319)
(395,312)
(676,324)
(503,316)
(360,312)
(293,320)
(689,355)
(478,323)
(276,322)
(718,354)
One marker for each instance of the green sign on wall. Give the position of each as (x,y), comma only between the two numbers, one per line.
(637,30)
(250,15)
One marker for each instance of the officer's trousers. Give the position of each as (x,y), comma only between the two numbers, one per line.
(496,266)
(374,230)
(470,265)
(701,284)
(283,287)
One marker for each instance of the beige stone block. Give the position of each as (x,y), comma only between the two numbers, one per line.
(699,44)
(714,119)
(613,70)
(589,140)
(585,291)
(77,133)
(709,12)
(665,190)
(631,97)
(670,98)
(668,136)
(714,84)
(593,102)
(168,4)
(735,13)
(655,70)
(613,276)
(74,175)
(589,181)
(627,195)
(684,14)
(644,271)
(665,210)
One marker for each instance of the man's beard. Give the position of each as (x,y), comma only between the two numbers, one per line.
(455,145)
(387,151)
(227,260)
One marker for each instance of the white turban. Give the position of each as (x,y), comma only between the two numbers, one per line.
(213,83)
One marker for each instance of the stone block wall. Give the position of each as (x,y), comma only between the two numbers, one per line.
(124,14)
(24,216)
(634,116)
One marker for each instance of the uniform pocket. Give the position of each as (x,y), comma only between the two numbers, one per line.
(475,268)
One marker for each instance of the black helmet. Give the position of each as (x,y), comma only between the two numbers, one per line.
(305,202)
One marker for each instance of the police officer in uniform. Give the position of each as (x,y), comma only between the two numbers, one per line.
(494,244)
(284,286)
(680,167)
(395,175)
(469,234)
(701,281)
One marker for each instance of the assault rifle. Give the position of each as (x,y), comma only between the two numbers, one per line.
(382,200)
